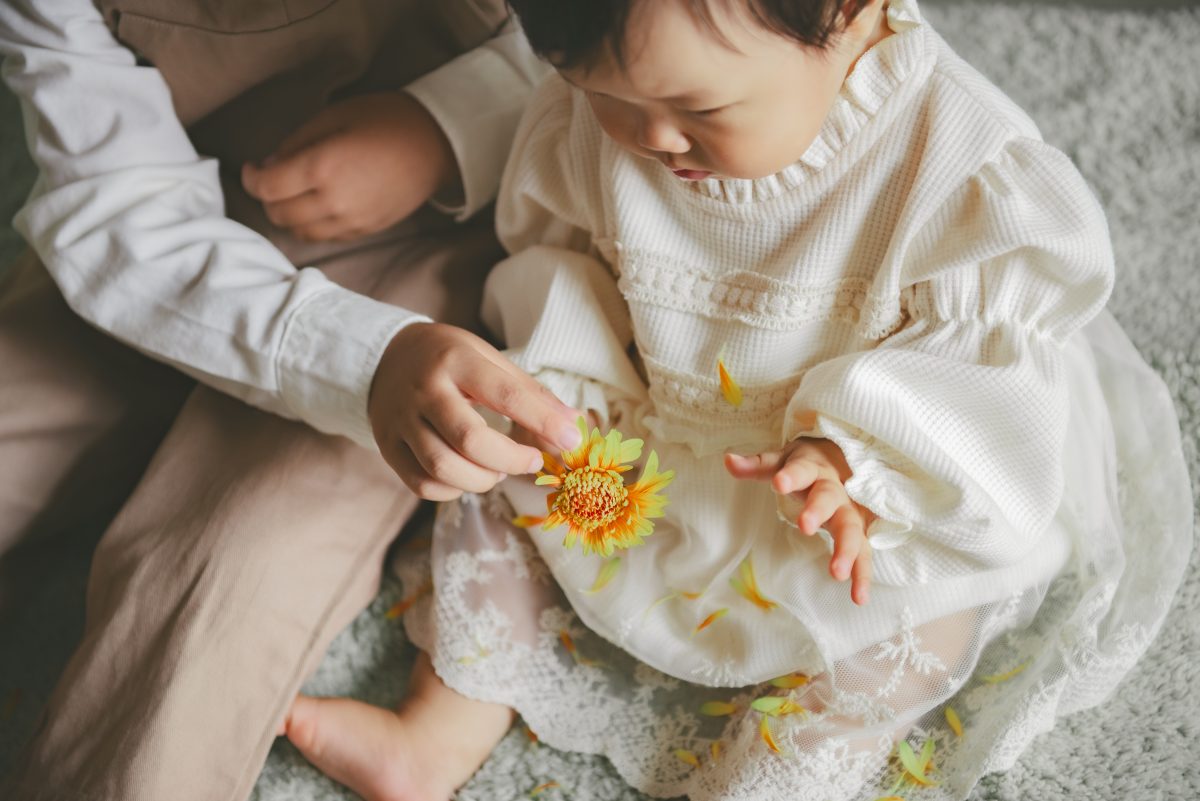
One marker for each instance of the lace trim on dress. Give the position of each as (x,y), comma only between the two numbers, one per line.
(750,298)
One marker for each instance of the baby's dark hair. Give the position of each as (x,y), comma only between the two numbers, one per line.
(569,33)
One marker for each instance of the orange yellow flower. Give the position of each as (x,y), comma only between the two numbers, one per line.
(592,499)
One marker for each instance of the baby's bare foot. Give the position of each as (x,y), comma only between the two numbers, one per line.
(423,752)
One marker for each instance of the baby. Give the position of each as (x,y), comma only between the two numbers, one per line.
(806,232)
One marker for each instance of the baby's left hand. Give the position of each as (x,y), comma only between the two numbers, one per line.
(816,471)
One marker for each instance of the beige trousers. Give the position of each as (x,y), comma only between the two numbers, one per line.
(241,542)
(245,544)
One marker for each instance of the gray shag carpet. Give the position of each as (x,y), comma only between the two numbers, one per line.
(1115,84)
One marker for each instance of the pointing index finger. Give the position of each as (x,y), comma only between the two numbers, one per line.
(521,399)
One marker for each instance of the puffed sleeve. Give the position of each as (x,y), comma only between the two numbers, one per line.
(554,301)
(954,425)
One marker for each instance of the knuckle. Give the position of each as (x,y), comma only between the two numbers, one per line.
(468,438)
(438,466)
(507,395)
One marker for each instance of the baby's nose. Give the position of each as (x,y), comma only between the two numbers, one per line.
(660,135)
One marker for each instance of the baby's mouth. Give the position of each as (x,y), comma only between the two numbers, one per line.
(691,175)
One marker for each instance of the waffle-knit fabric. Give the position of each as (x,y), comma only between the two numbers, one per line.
(906,290)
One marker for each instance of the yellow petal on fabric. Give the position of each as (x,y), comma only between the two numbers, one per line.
(729,387)
(777,706)
(996,678)
(953,721)
(746,585)
(531,736)
(527,521)
(764,730)
(717,709)
(890,798)
(715,749)
(790,681)
(926,758)
(770,705)
(691,596)
(404,604)
(708,621)
(541,788)
(791,708)
(683,755)
(605,575)
(656,603)
(567,642)
(913,767)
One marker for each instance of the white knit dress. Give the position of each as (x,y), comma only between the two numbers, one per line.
(925,287)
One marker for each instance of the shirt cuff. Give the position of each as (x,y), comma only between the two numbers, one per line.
(477,99)
(328,357)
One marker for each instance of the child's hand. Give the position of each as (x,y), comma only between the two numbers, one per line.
(421,412)
(816,471)
(357,167)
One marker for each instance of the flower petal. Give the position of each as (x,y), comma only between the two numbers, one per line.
(764,730)
(996,678)
(527,521)
(729,387)
(683,755)
(746,585)
(770,705)
(708,621)
(790,681)
(717,709)
(912,766)
(404,604)
(605,575)
(953,721)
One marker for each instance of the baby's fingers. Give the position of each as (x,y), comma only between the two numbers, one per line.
(758,466)
(851,552)
(825,496)
(860,576)
(796,475)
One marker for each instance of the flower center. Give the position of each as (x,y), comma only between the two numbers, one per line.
(591,498)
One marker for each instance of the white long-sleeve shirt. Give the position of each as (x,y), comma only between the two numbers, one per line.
(130,221)
(910,289)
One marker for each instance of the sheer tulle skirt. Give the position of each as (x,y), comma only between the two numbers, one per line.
(968,690)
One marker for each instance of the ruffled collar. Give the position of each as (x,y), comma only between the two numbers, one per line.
(876,77)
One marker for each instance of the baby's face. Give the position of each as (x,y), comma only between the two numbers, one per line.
(743,108)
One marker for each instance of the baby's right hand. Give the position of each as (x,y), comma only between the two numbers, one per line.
(421,412)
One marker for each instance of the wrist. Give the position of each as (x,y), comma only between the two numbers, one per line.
(445,172)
